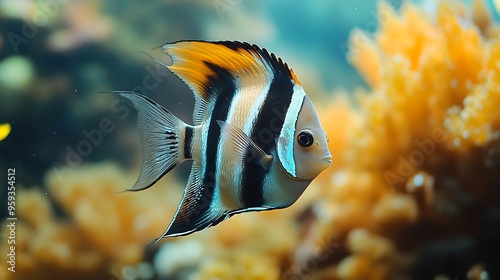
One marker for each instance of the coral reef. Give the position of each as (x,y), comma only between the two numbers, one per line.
(101,232)
(412,194)
(421,154)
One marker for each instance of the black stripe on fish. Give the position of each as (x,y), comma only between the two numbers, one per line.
(220,111)
(188,138)
(266,129)
(222,104)
(198,213)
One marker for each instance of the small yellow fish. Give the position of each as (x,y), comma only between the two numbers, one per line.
(4,130)
(256,141)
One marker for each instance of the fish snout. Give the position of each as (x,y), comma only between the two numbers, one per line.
(325,161)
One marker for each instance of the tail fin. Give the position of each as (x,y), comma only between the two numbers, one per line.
(160,136)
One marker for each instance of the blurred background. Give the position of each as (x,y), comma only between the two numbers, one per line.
(384,75)
(56,56)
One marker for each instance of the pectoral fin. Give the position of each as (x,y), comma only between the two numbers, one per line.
(243,144)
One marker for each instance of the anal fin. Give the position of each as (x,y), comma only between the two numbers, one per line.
(195,212)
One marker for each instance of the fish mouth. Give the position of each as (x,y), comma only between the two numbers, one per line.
(327,158)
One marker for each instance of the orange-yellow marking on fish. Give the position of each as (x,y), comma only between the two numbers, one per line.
(190,61)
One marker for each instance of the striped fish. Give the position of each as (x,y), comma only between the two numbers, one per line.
(256,141)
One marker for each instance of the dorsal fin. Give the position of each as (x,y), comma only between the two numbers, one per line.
(209,68)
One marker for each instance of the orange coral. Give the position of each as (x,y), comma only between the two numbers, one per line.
(429,117)
(91,198)
(47,248)
(105,230)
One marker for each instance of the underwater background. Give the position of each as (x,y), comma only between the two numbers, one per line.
(408,92)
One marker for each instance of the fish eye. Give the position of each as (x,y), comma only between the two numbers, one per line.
(305,138)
